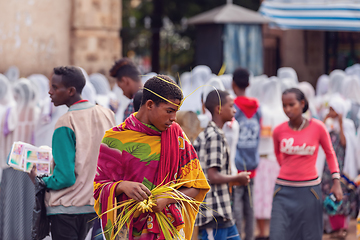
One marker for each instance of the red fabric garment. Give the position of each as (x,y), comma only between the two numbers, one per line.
(169,163)
(80,101)
(247,105)
(296,151)
(252,173)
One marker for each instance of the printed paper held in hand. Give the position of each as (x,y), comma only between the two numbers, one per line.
(24,156)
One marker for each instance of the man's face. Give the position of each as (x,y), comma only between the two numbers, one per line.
(59,94)
(163,115)
(228,110)
(129,86)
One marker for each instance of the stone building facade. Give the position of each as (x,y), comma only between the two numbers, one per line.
(38,35)
(302,50)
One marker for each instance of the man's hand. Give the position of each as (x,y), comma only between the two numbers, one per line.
(33,174)
(134,190)
(243,178)
(161,203)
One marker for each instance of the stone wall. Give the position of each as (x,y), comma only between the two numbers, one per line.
(37,35)
(34,35)
(302,50)
(95,34)
(305,52)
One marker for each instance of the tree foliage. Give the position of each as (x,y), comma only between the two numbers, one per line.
(173,59)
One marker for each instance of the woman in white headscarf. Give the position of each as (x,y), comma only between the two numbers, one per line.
(8,121)
(322,85)
(199,76)
(88,92)
(353,70)
(28,111)
(322,88)
(104,96)
(336,80)
(288,73)
(17,190)
(255,90)
(287,83)
(268,168)
(49,114)
(147,76)
(309,92)
(342,135)
(351,90)
(185,83)
(13,74)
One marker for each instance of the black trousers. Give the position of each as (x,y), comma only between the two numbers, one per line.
(71,226)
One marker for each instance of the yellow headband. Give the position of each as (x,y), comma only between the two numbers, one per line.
(179,105)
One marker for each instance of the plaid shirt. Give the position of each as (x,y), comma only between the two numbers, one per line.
(129,110)
(213,151)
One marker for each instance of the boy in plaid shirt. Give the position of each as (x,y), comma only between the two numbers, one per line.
(217,222)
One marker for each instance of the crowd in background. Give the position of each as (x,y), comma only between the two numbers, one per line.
(27,114)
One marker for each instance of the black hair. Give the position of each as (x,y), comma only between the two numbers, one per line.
(162,88)
(125,68)
(71,76)
(241,77)
(299,96)
(137,100)
(212,99)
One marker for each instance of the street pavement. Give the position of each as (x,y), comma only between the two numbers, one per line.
(351,234)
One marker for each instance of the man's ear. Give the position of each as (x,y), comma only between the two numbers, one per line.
(216,109)
(149,104)
(126,80)
(203,108)
(234,86)
(72,91)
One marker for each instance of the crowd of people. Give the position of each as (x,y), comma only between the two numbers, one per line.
(272,149)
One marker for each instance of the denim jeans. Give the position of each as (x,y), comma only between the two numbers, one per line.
(243,209)
(229,233)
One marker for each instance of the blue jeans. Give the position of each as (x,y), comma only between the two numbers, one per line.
(243,209)
(230,233)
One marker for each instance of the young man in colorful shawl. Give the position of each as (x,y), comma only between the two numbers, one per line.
(147,150)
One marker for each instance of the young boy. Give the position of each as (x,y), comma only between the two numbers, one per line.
(147,150)
(75,147)
(212,148)
(247,156)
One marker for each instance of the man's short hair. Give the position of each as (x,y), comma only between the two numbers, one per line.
(125,68)
(241,77)
(71,76)
(137,100)
(212,99)
(167,89)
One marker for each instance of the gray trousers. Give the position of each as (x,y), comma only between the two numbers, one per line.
(243,210)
